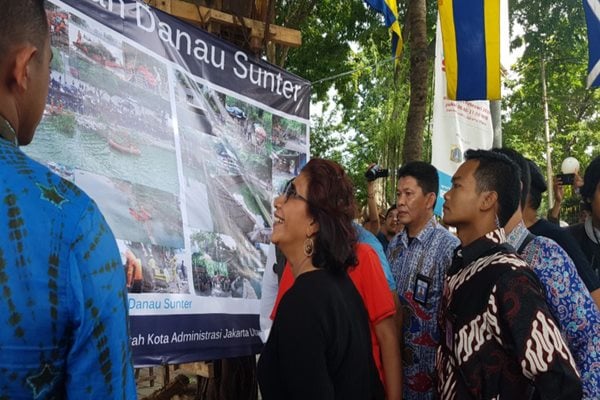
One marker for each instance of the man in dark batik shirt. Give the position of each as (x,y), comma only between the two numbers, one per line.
(499,340)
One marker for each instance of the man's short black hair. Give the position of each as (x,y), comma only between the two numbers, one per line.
(496,172)
(424,173)
(523,166)
(538,185)
(22,21)
(591,179)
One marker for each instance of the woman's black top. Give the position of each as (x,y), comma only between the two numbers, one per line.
(320,345)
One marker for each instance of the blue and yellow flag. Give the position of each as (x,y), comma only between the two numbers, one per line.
(592,16)
(389,9)
(471,36)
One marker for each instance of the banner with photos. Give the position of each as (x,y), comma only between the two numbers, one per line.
(181,139)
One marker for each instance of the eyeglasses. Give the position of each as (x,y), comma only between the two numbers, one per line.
(289,191)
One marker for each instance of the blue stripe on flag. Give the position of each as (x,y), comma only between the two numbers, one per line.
(470,49)
(391,18)
(592,17)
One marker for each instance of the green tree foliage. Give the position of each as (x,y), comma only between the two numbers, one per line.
(555,31)
(370,131)
(367,123)
(328,29)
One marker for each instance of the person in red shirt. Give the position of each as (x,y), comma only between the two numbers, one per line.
(369,280)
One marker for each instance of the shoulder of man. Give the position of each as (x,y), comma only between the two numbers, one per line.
(540,244)
(53,188)
(575,230)
(445,240)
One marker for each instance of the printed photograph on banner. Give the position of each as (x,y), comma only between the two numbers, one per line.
(247,132)
(154,269)
(239,205)
(135,212)
(224,267)
(287,164)
(200,159)
(108,109)
(196,105)
(252,125)
(146,72)
(289,134)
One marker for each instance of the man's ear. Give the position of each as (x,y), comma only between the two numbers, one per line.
(489,200)
(20,72)
(430,200)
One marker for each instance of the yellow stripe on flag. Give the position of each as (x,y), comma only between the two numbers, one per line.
(492,47)
(446,12)
(395,28)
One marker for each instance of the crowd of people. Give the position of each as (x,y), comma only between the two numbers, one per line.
(505,306)
(497,308)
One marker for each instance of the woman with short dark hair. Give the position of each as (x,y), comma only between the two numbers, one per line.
(319,346)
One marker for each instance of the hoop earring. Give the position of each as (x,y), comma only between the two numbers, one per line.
(309,247)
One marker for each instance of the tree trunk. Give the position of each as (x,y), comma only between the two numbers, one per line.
(419,81)
(496,111)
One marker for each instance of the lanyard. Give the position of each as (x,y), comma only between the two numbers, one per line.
(424,250)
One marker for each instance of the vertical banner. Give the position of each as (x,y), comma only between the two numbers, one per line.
(471,33)
(457,125)
(181,139)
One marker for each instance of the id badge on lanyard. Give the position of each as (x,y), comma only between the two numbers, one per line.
(421,289)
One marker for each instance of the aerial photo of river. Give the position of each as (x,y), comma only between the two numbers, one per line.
(89,151)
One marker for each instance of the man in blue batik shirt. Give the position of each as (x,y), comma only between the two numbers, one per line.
(63,315)
(419,257)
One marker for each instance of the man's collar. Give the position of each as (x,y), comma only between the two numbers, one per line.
(7,132)
(464,256)
(516,237)
(422,236)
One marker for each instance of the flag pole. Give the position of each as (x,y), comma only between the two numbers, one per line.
(547,132)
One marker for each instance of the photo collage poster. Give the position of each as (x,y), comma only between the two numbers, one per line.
(182,140)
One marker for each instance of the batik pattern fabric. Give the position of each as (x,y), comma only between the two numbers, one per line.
(569,301)
(499,339)
(425,261)
(63,315)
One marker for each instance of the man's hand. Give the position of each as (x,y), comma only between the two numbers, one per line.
(559,194)
(559,190)
(373,225)
(578,181)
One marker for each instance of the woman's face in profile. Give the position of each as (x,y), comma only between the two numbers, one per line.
(292,219)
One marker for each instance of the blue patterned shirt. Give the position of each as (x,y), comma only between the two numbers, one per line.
(63,326)
(569,301)
(422,265)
